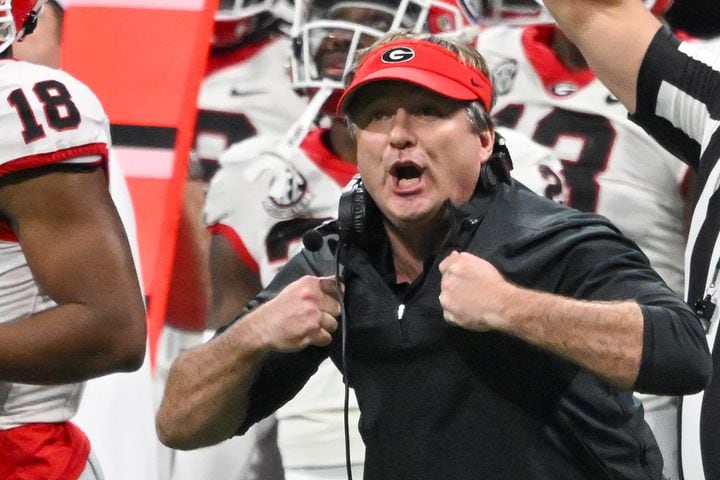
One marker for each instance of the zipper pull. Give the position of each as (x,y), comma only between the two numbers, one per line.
(403,334)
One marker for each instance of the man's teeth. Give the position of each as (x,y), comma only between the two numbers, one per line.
(406,182)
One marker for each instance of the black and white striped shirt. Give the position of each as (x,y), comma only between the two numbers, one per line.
(679,104)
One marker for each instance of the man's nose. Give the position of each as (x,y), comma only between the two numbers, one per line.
(401,134)
(338,37)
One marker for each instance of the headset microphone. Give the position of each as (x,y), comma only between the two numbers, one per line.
(312,240)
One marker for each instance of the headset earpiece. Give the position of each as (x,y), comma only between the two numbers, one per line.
(355,212)
(488,179)
(351,210)
(497,168)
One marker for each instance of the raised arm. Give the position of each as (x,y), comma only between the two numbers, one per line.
(208,389)
(606,338)
(78,253)
(613,35)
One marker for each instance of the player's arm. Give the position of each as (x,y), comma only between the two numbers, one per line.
(613,35)
(233,283)
(233,269)
(77,250)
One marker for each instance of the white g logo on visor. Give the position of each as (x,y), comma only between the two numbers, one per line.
(398,55)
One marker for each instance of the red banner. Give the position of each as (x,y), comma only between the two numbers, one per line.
(145,60)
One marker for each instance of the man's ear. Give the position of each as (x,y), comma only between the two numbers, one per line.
(487,143)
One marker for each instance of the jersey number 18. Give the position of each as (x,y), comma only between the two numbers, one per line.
(60,111)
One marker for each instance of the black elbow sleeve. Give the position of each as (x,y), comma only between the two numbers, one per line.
(676,359)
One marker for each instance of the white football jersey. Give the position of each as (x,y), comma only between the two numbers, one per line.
(610,164)
(267,203)
(246,92)
(49,117)
(263,204)
(534,165)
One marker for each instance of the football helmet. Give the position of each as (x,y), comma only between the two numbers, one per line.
(327,33)
(510,11)
(236,19)
(531,11)
(17,19)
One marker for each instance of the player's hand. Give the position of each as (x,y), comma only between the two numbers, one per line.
(303,314)
(473,294)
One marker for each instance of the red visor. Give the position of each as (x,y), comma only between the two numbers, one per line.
(424,64)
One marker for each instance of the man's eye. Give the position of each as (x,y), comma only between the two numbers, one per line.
(380,115)
(429,111)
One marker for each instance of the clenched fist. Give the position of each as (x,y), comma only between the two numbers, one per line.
(473,294)
(303,314)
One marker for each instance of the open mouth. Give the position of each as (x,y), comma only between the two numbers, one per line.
(333,73)
(406,174)
(332,64)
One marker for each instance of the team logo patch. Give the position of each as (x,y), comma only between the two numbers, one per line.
(398,55)
(564,89)
(444,23)
(288,195)
(503,76)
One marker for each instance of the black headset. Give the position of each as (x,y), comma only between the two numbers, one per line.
(356,212)
(497,168)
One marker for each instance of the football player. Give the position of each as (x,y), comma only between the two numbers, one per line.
(72,306)
(123,400)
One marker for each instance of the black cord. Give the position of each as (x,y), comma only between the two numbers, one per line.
(313,241)
(346,415)
(343,360)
